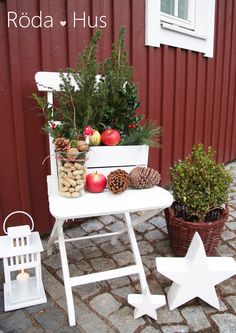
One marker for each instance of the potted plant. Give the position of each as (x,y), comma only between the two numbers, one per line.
(200,188)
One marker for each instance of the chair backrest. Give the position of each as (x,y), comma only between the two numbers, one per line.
(102,158)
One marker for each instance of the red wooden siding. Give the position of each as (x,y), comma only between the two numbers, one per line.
(191,96)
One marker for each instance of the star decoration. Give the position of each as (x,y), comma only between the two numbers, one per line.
(146,303)
(195,275)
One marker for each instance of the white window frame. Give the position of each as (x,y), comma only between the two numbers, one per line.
(166,29)
(174,19)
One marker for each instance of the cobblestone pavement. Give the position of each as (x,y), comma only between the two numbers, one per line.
(103,307)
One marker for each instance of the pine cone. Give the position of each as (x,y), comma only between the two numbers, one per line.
(142,177)
(62,144)
(118,181)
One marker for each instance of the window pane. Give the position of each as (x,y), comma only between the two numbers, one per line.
(168,6)
(183,9)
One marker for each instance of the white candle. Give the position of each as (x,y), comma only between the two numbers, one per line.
(23,284)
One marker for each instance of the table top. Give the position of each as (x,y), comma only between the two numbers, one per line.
(106,203)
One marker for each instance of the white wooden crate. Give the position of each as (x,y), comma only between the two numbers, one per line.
(107,158)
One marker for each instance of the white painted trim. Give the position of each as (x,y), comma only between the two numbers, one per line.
(200,40)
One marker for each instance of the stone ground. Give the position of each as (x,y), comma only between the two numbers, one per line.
(103,307)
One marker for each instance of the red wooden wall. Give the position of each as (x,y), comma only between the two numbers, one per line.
(191,96)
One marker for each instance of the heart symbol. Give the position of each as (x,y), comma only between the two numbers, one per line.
(62,23)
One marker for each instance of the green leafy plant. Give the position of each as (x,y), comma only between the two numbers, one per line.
(199,183)
(100,96)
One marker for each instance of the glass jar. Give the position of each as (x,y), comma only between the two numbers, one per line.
(71,175)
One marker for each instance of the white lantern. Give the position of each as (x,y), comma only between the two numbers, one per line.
(20,250)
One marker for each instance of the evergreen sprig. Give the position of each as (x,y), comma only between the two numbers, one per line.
(100,96)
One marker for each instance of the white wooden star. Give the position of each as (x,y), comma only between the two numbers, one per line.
(195,275)
(146,303)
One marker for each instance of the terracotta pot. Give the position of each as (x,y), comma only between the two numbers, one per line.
(181,232)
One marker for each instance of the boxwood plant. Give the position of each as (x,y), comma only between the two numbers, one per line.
(199,183)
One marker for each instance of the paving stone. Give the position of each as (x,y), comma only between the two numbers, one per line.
(149,261)
(227,234)
(38,308)
(225,251)
(73,269)
(51,320)
(225,322)
(87,290)
(154,235)
(101,239)
(91,252)
(163,246)
(210,309)
(105,304)
(106,219)
(84,267)
(68,329)
(116,226)
(110,249)
(228,286)
(125,239)
(232,243)
(150,329)
(123,258)
(37,329)
(124,321)
(123,292)
(233,213)
(74,255)
(175,329)
(92,225)
(144,248)
(88,321)
(158,221)
(118,282)
(195,318)
(102,264)
(75,232)
(81,244)
(17,321)
(165,316)
(53,261)
(1,301)
(144,226)
(232,302)
(49,280)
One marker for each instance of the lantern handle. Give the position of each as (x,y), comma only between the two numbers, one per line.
(16,212)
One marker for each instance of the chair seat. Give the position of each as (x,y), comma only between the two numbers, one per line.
(106,203)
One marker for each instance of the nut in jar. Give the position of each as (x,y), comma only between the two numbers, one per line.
(71,174)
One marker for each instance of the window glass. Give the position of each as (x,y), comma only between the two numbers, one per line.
(178,8)
(183,9)
(168,7)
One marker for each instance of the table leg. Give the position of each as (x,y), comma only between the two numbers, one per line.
(144,303)
(66,278)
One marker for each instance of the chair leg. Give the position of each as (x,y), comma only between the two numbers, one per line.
(66,277)
(136,253)
(144,303)
(54,235)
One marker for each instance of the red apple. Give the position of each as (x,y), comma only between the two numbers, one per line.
(95,182)
(110,137)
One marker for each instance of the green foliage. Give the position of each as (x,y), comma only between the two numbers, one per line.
(110,101)
(200,183)
(122,101)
